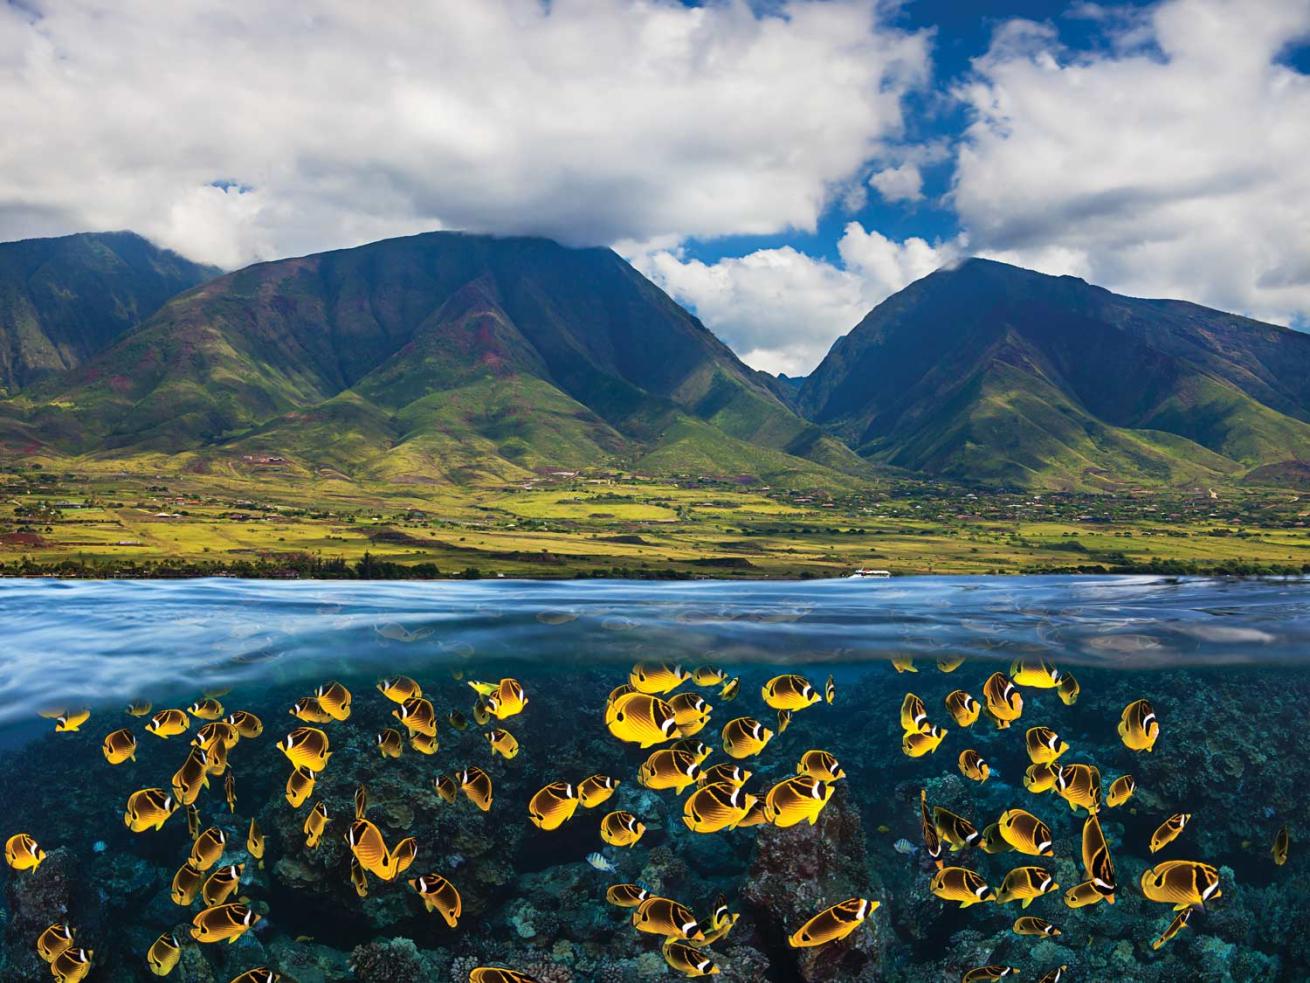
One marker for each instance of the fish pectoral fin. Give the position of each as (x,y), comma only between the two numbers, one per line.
(1027,902)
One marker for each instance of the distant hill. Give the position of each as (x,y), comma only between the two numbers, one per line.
(987,372)
(64,299)
(441,356)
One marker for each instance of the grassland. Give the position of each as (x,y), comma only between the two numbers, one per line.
(269,522)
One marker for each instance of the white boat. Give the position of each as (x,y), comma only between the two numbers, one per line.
(870,572)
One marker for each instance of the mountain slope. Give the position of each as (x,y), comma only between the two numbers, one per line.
(64,299)
(988,372)
(439,356)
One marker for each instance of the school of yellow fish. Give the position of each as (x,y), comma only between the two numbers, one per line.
(652,710)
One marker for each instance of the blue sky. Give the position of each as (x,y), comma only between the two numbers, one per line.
(778,166)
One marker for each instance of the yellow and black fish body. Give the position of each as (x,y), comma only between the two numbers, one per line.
(1082,895)
(398,689)
(223,923)
(1024,884)
(255,843)
(1003,700)
(361,801)
(1139,728)
(417,716)
(829,691)
(1040,778)
(186,884)
(744,737)
(53,941)
(315,825)
(553,805)
(358,879)
(621,829)
(309,710)
(306,747)
(163,955)
(208,848)
(697,749)
(962,885)
(457,720)
(1121,790)
(1035,674)
(206,709)
(476,786)
(963,708)
(721,922)
(1080,786)
(641,719)
(1032,925)
(689,709)
(1169,830)
(708,676)
(1098,865)
(215,733)
(403,854)
(215,759)
(819,764)
(71,721)
(1068,690)
(666,769)
(169,723)
(984,973)
(423,743)
(725,772)
(390,743)
(445,787)
(992,841)
(246,723)
(119,746)
(663,916)
(441,896)
(932,841)
(300,786)
(1179,923)
(655,678)
(833,923)
(949,663)
(914,715)
(191,777)
(955,831)
(918,745)
(1280,847)
(796,800)
(973,767)
(626,895)
(139,708)
(689,960)
(22,852)
(716,807)
(230,792)
(756,815)
(731,689)
(502,742)
(789,692)
(596,790)
(903,663)
(784,721)
(1055,975)
(221,884)
(1044,745)
(72,965)
(508,699)
(148,808)
(1025,833)
(335,699)
(370,850)
(1181,883)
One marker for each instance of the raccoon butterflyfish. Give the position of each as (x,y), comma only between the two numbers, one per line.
(335,699)
(1181,883)
(71,721)
(221,884)
(72,965)
(553,805)
(596,789)
(398,689)
(931,838)
(390,743)
(1080,786)
(246,723)
(663,916)
(53,941)
(656,678)
(1280,847)
(206,709)
(424,743)
(789,692)
(963,708)
(119,746)
(917,745)
(914,715)
(962,885)
(1034,673)
(169,723)
(796,800)
(417,716)
(476,786)
(441,896)
(621,829)
(1169,830)
(726,772)
(300,786)
(1044,745)
(507,700)
(641,719)
(208,848)
(687,959)
(1121,790)
(163,955)
(730,689)
(626,895)
(186,884)
(315,824)
(666,769)
(973,767)
(903,663)
(744,737)
(716,807)
(1178,923)
(147,808)
(224,923)
(1032,925)
(1026,833)
(306,747)
(708,676)
(1023,884)
(1098,865)
(822,765)
(833,923)
(1003,700)
(309,710)
(22,852)
(255,843)
(1138,727)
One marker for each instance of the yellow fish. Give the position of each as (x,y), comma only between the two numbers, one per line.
(932,842)
(1121,790)
(833,923)
(1097,862)
(457,720)
(358,879)
(1023,884)
(716,807)
(335,699)
(1003,700)
(418,716)
(441,896)
(300,786)
(1057,974)
(246,724)
(221,884)
(150,807)
(964,709)
(552,806)
(423,743)
(163,955)
(1080,786)
(992,841)
(690,712)
(224,923)
(306,747)
(139,708)
(596,789)
(71,965)
(917,745)
(789,692)
(914,715)
(621,829)
(954,830)
(23,853)
(725,772)
(230,792)
(1181,883)
(721,921)
(119,746)
(398,689)
(1026,833)
(1035,674)
(688,960)
(309,710)
(216,733)
(508,699)
(730,689)
(255,843)
(744,737)
(962,885)
(982,974)
(207,709)
(315,824)
(191,777)
(1032,925)
(641,719)
(71,722)
(445,787)
(1039,778)
(697,749)
(476,786)
(663,916)
(626,895)
(904,663)
(207,848)
(1138,727)
(1179,923)
(666,769)
(1082,895)
(186,884)
(829,691)
(1280,847)
(261,974)
(390,743)
(708,676)
(1068,690)
(656,679)
(795,800)
(492,974)
(1168,830)
(973,767)
(370,851)
(817,764)
(53,941)
(1044,745)
(169,723)
(949,663)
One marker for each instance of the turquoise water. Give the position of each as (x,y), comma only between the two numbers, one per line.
(1224,664)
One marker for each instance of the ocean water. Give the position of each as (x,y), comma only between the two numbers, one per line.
(1224,664)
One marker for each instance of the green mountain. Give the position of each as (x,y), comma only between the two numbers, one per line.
(62,300)
(987,372)
(435,357)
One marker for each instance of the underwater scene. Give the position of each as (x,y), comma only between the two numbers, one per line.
(929,779)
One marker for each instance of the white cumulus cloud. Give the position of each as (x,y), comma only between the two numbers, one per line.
(900,183)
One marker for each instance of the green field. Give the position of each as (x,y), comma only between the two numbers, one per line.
(270,521)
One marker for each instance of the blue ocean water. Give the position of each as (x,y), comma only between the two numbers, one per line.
(1223,663)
